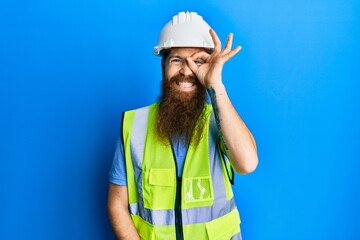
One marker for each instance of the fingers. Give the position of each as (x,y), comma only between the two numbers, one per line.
(216,40)
(191,64)
(226,52)
(228,43)
(232,53)
(202,55)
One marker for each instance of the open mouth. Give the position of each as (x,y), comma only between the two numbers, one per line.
(185,84)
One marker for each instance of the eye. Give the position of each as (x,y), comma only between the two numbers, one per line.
(199,61)
(175,60)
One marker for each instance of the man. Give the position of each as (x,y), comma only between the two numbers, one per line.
(171,177)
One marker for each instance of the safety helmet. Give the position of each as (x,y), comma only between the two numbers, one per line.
(186,29)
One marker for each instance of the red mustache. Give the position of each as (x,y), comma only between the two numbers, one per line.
(180,78)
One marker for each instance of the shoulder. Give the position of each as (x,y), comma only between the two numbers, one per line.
(139,113)
(142,109)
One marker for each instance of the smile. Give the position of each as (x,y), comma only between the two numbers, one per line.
(186,84)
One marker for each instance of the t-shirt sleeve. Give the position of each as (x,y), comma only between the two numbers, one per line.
(117,173)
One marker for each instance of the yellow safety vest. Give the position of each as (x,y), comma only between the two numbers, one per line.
(200,205)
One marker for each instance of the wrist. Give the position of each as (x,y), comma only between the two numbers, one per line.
(217,87)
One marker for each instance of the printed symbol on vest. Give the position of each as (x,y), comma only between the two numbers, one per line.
(201,189)
(189,193)
(198,189)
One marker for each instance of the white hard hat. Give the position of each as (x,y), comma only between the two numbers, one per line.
(186,29)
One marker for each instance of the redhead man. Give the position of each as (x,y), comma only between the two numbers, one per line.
(172,171)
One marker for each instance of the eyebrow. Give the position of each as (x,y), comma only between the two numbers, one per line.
(174,56)
(178,56)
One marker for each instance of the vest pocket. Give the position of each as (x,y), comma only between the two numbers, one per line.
(223,228)
(159,188)
(144,229)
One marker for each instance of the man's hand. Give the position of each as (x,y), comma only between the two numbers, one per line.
(208,67)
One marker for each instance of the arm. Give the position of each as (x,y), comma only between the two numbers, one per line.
(238,142)
(119,214)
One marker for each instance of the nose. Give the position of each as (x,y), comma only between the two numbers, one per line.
(185,70)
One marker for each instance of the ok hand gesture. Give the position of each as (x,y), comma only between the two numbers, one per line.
(208,67)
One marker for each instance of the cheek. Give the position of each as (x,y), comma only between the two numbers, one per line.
(170,72)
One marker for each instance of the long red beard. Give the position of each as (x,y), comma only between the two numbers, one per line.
(180,114)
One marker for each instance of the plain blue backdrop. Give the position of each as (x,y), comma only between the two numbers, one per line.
(69,68)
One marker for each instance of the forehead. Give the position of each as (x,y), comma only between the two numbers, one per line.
(184,51)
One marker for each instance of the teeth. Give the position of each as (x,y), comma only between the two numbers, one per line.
(185,84)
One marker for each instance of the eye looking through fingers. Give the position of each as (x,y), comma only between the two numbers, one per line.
(200,57)
(199,61)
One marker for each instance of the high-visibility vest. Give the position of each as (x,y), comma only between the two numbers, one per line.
(199,205)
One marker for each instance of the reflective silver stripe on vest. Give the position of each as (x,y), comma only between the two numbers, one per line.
(220,207)
(237,236)
(155,217)
(137,142)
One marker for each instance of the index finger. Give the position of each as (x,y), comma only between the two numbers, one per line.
(200,55)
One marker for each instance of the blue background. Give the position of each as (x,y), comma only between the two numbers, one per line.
(69,68)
